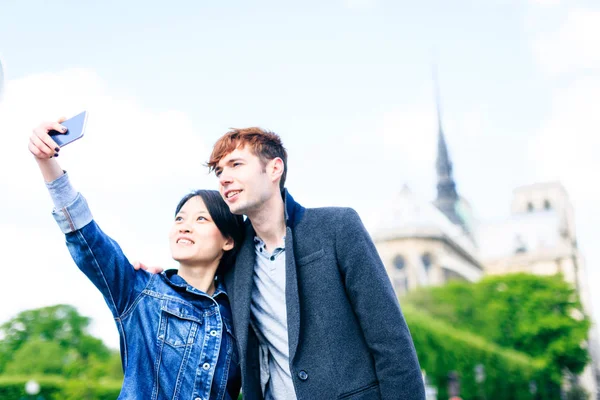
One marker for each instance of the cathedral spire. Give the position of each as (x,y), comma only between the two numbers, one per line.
(447,196)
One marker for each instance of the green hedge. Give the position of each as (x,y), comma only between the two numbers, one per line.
(58,388)
(442,348)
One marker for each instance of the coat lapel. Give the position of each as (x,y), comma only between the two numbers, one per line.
(293,214)
(242,282)
(291,294)
(242,291)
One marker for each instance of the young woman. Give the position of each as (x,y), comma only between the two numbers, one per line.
(175,328)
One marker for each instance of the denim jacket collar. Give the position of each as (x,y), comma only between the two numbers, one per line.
(174,279)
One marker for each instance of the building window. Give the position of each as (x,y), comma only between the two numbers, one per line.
(520,246)
(450,275)
(530,207)
(426,260)
(547,205)
(401,285)
(399,262)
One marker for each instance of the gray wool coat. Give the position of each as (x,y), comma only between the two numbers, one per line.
(347,336)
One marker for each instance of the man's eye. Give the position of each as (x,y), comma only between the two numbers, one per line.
(217,173)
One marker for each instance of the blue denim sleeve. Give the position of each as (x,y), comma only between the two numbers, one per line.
(99,257)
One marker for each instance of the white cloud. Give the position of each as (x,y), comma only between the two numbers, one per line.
(566,149)
(133,165)
(575,46)
(414,129)
(566,143)
(119,133)
(1,79)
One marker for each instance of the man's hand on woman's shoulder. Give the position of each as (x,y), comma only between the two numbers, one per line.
(153,270)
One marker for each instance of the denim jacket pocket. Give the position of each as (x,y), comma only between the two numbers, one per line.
(179,324)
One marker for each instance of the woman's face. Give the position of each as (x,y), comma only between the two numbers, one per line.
(194,237)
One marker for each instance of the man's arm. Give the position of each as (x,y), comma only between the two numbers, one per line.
(376,306)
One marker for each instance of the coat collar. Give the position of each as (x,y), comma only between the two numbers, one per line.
(293,211)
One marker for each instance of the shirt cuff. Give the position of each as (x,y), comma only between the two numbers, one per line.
(74,216)
(61,191)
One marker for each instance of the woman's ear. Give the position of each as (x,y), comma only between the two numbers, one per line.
(229,244)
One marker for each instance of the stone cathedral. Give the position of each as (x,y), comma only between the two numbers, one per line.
(430,243)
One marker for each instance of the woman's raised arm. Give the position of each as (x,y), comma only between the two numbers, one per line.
(98,256)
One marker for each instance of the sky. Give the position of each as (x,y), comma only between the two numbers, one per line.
(346,83)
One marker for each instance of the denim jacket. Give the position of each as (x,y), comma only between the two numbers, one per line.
(176,341)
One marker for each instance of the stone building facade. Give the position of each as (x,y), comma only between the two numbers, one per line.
(426,243)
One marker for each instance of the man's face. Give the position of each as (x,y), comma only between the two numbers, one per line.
(244,182)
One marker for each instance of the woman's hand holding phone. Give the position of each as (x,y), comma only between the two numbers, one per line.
(45,149)
(41,144)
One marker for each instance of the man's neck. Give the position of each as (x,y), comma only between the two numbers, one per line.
(269,222)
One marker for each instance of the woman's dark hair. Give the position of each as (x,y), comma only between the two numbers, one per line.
(230,225)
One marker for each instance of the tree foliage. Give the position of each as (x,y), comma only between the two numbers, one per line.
(37,357)
(55,340)
(58,388)
(540,316)
(443,348)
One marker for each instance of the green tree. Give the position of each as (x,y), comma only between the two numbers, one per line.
(60,323)
(54,340)
(37,357)
(106,369)
(538,315)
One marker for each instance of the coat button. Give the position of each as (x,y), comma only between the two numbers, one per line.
(302,375)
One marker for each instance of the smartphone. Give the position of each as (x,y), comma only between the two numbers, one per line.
(75,127)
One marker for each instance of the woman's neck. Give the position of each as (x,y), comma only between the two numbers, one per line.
(201,277)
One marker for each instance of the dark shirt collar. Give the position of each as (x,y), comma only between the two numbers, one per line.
(293,210)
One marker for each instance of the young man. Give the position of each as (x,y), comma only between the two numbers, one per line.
(314,313)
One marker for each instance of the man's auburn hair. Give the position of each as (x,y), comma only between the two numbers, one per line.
(266,145)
